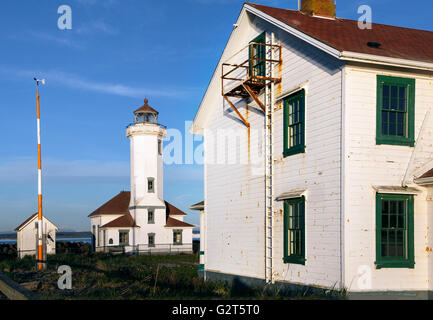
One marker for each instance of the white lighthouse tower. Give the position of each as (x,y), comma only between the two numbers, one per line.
(141,220)
(147,177)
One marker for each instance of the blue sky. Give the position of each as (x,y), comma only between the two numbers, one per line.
(117,53)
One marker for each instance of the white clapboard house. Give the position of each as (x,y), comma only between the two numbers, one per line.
(27,233)
(318,153)
(141,220)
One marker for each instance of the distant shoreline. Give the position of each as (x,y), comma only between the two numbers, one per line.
(70,240)
(59,235)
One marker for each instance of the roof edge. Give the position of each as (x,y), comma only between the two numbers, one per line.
(319,44)
(382,60)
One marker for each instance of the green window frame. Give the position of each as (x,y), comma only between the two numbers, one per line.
(294,124)
(294,231)
(257,67)
(395,111)
(394,231)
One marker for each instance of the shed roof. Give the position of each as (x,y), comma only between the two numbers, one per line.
(428,174)
(28,220)
(197,206)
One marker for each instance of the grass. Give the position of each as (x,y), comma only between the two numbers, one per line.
(109,277)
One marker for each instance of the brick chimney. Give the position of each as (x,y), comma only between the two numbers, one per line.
(324,8)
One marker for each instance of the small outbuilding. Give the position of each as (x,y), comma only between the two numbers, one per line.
(27,236)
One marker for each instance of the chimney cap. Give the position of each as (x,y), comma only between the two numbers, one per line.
(323,8)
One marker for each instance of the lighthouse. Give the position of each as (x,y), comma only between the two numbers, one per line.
(141,220)
(147,176)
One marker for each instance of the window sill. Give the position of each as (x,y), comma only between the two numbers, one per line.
(396,264)
(293,151)
(300,261)
(395,142)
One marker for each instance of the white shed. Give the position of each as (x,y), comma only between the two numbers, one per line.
(27,233)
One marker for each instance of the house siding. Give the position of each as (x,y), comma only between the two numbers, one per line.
(368,165)
(234,194)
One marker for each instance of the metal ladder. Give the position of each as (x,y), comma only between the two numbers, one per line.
(269,169)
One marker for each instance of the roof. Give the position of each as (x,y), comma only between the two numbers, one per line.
(22,225)
(125,221)
(197,206)
(344,35)
(340,38)
(428,174)
(146,108)
(25,222)
(118,205)
(174,223)
(172,210)
(396,190)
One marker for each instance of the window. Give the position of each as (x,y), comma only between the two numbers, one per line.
(394,231)
(110,241)
(257,51)
(151,240)
(177,237)
(294,124)
(98,232)
(294,231)
(395,111)
(150,185)
(123,238)
(160,147)
(150,216)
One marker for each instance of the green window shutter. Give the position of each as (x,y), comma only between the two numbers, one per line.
(294,124)
(294,231)
(395,111)
(394,231)
(256,51)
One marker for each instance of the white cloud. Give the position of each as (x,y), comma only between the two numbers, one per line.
(58,78)
(23,170)
(95,27)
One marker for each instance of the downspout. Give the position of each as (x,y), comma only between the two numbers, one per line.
(412,157)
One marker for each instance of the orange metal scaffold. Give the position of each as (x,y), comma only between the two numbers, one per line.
(248,78)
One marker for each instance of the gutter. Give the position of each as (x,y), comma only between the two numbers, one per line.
(424,181)
(395,62)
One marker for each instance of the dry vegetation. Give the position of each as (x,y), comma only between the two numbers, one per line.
(103,276)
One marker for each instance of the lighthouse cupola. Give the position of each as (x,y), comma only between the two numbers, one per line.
(146,114)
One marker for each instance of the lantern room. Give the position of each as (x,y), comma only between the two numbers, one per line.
(146,114)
